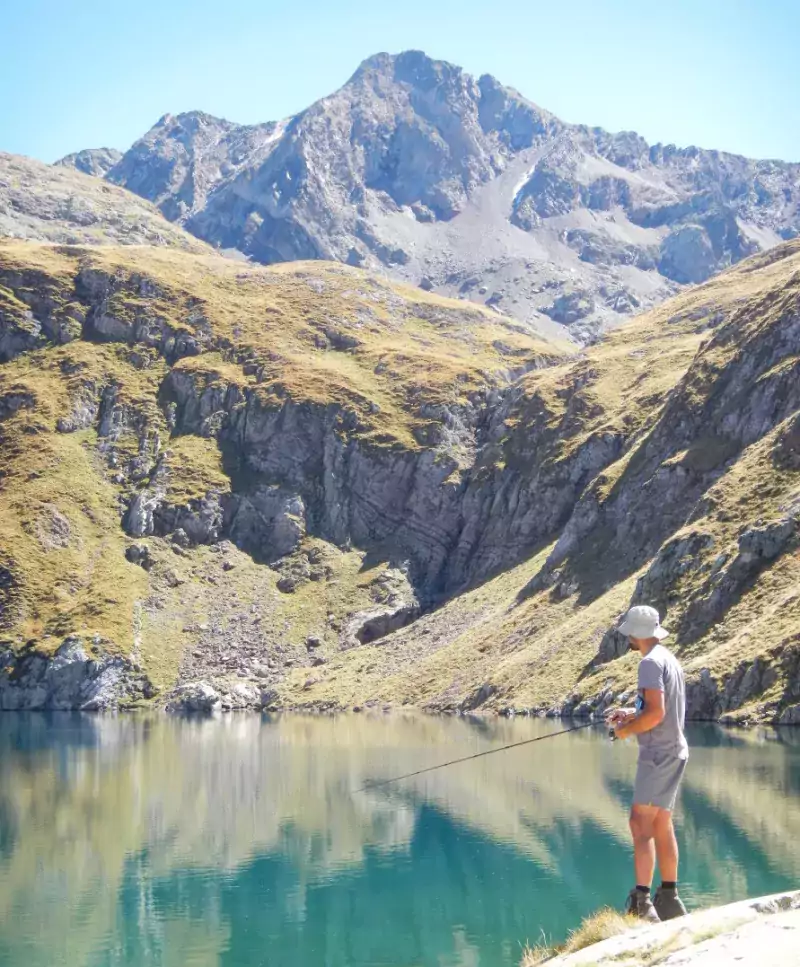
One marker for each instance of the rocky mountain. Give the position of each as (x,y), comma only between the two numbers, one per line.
(306,486)
(181,160)
(91,161)
(60,204)
(417,170)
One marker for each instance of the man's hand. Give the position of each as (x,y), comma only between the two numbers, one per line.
(617,717)
(624,729)
(651,715)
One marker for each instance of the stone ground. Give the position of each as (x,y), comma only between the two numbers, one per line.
(763,932)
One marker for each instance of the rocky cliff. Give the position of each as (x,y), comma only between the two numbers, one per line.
(459,184)
(272,419)
(302,485)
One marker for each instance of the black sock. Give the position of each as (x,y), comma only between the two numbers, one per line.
(669,885)
(643,889)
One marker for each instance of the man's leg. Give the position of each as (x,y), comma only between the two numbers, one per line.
(667,902)
(642,823)
(666,845)
(644,860)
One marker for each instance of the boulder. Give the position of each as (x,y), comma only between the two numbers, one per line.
(242,696)
(702,697)
(570,307)
(790,715)
(180,538)
(613,645)
(269,698)
(139,554)
(200,521)
(767,541)
(194,697)
(368,626)
(173,578)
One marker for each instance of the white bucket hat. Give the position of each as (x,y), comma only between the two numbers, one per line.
(642,622)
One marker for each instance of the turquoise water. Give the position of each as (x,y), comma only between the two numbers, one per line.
(244,841)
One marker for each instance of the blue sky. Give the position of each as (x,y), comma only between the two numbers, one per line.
(85,73)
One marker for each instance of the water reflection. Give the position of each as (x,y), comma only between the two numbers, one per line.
(240,841)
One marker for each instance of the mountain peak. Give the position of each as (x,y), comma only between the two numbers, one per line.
(91,161)
(381,61)
(190,121)
(413,67)
(553,221)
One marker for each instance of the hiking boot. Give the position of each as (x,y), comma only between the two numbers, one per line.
(640,905)
(668,904)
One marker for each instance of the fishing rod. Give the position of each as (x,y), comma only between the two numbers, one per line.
(477,755)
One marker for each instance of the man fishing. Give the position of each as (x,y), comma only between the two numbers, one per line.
(657,722)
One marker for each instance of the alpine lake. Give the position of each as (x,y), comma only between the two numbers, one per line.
(241,841)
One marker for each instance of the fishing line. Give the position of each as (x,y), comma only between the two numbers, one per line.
(477,755)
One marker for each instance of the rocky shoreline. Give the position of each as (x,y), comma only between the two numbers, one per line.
(763,931)
(77,677)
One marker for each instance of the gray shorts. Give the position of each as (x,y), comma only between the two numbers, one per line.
(658,776)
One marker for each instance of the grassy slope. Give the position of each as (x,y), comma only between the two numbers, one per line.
(78,580)
(58,204)
(270,330)
(328,334)
(594,929)
(535,649)
(280,328)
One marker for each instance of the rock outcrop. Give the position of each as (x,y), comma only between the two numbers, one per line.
(194,697)
(72,678)
(91,161)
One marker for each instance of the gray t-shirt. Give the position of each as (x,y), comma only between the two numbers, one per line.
(661,670)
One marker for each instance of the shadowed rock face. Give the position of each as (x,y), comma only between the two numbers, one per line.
(417,169)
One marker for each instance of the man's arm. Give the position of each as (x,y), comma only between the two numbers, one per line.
(651,715)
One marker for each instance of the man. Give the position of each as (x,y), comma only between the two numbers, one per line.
(657,722)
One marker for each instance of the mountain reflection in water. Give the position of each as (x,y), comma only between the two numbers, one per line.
(245,841)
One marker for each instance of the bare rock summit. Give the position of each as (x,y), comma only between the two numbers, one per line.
(416,169)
